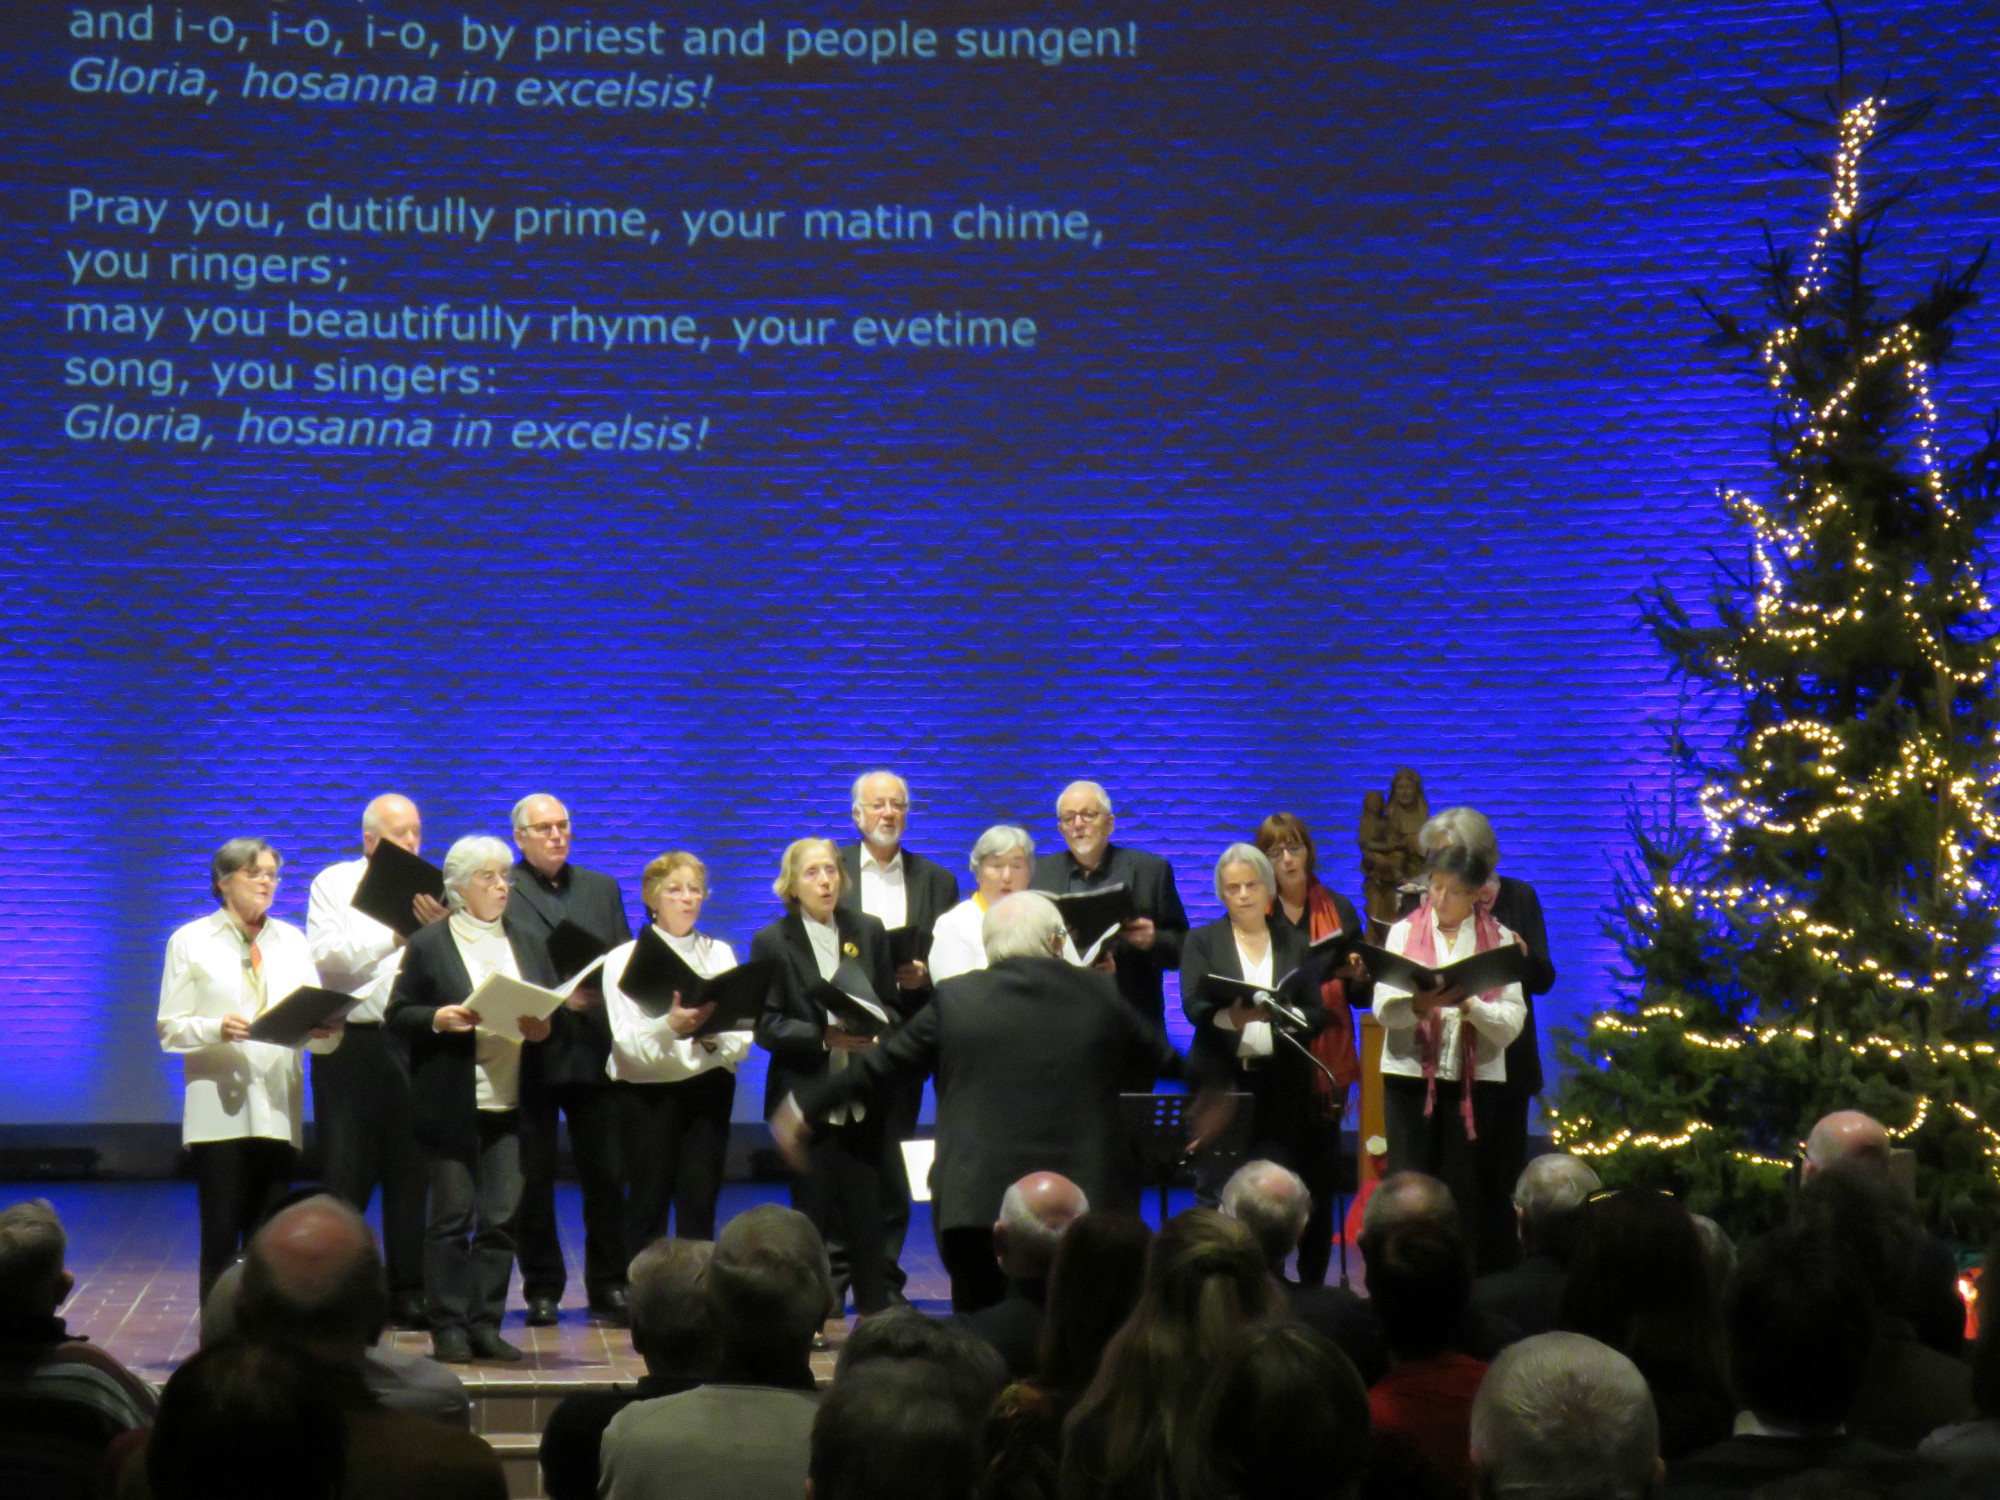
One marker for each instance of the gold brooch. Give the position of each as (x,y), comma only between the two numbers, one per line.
(850,950)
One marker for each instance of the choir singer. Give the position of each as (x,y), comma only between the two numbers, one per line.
(1002,862)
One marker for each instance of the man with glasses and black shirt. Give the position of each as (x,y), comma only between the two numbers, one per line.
(1150,944)
(566,1075)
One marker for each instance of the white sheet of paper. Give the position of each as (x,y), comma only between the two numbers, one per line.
(917,1159)
(501,1002)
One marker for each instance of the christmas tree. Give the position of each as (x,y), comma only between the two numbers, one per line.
(1813,928)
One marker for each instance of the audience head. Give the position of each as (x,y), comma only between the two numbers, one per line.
(246,1422)
(1273,1204)
(542,832)
(1406,1198)
(1639,1282)
(475,877)
(394,818)
(312,1279)
(1003,861)
(33,1282)
(218,1308)
(810,878)
(957,1361)
(1093,1287)
(1549,1200)
(673,1325)
(1563,1417)
(1023,925)
(1718,1253)
(1083,813)
(881,809)
(1034,1214)
(1846,1135)
(891,1431)
(1420,1283)
(1799,1319)
(1285,1417)
(768,1285)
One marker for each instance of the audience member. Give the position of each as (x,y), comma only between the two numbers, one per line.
(1034,1215)
(1092,1289)
(313,1284)
(247,1422)
(747,1433)
(1927,1295)
(891,1430)
(1206,1286)
(1718,1254)
(1420,1282)
(1285,1418)
(1799,1319)
(1639,1283)
(1548,1214)
(1971,1449)
(963,1364)
(1404,1198)
(673,1331)
(62,1400)
(1563,1417)
(1274,1204)
(1907,1391)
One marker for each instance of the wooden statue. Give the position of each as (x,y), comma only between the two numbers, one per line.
(1390,856)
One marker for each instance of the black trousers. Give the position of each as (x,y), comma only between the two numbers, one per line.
(1437,1145)
(673,1138)
(361,1115)
(845,1194)
(236,1182)
(1502,1159)
(976,1278)
(904,1103)
(469,1240)
(593,1142)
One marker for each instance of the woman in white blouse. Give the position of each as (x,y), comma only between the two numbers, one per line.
(674,1090)
(241,1118)
(1436,1040)
(1002,862)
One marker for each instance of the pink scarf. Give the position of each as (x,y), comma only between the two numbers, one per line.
(1419,947)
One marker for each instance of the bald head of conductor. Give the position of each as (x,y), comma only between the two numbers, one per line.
(393,818)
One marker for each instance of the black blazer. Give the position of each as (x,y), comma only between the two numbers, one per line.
(792,1028)
(1519,909)
(1282,1082)
(444,1087)
(1029,1056)
(928,886)
(1141,973)
(579,1042)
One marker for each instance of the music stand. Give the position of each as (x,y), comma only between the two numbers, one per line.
(1157,1125)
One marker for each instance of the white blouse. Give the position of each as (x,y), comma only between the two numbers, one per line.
(644,1048)
(956,943)
(353,952)
(234,1090)
(1494,1023)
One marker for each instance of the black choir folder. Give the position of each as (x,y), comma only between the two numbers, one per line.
(1280,997)
(850,1001)
(393,881)
(1490,970)
(293,1020)
(1095,917)
(655,974)
(909,945)
(572,950)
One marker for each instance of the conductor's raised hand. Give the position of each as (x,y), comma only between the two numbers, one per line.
(1208,1117)
(790,1133)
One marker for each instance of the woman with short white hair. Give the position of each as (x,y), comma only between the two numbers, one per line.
(466,1097)
(1002,862)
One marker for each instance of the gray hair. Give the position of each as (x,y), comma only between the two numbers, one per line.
(1460,825)
(470,855)
(672,1322)
(865,777)
(1246,854)
(519,817)
(1271,1202)
(1563,1417)
(1404,1198)
(32,1244)
(1103,797)
(768,1282)
(1001,838)
(371,815)
(1550,1192)
(1022,925)
(238,854)
(1032,1239)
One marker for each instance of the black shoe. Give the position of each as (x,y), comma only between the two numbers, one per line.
(488,1345)
(542,1312)
(610,1307)
(408,1312)
(450,1346)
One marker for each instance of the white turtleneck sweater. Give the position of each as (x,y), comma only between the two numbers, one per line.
(485,949)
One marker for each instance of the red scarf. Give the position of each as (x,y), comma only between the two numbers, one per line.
(1419,947)
(1335,1045)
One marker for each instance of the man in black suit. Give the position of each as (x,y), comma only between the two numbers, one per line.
(900,889)
(856,1174)
(1150,944)
(1548,1201)
(565,1075)
(1029,1055)
(1034,1215)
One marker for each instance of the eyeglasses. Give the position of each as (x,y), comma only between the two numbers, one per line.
(1279,851)
(885,805)
(560,825)
(1075,819)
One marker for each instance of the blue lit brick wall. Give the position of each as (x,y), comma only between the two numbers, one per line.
(1347,451)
